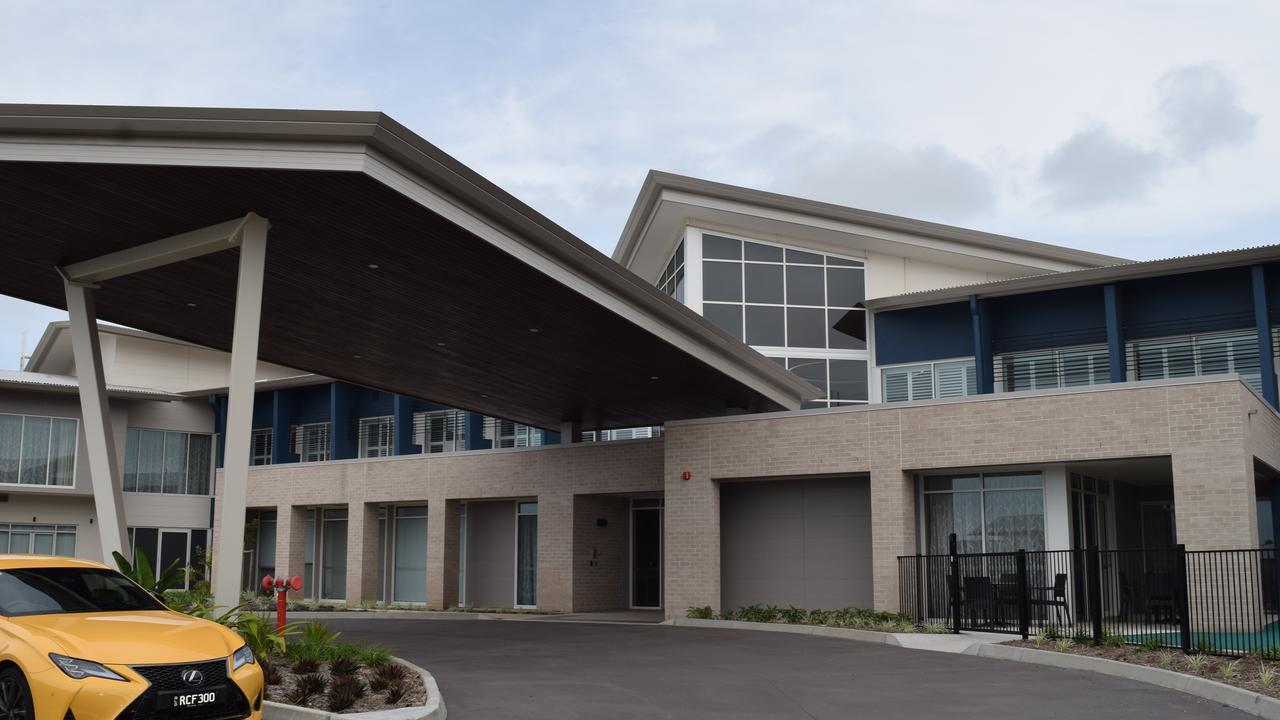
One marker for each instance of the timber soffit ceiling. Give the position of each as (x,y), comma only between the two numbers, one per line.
(389,264)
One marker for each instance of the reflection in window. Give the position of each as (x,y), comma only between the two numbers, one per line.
(841,381)
(37,450)
(1234,352)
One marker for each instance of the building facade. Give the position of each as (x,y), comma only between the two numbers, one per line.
(1014,394)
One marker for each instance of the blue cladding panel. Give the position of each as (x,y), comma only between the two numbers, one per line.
(1190,303)
(926,333)
(262,409)
(1057,318)
(342,431)
(403,413)
(367,402)
(309,403)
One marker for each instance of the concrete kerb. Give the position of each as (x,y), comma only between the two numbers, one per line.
(989,646)
(433,710)
(1239,698)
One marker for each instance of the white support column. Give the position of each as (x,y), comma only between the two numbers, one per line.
(229,551)
(1057,508)
(104,470)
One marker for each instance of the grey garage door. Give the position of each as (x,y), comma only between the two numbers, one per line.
(805,543)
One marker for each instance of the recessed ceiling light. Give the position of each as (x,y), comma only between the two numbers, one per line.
(356,357)
(533,330)
(191,304)
(653,377)
(373,266)
(484,396)
(440,344)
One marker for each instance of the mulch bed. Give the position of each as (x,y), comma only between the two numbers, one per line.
(1242,672)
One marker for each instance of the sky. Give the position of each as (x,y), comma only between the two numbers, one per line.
(1139,129)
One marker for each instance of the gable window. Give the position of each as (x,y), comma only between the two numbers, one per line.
(671,281)
(310,441)
(37,450)
(261,448)
(927,381)
(375,437)
(172,463)
(841,381)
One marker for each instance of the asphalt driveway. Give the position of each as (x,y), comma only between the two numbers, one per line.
(539,669)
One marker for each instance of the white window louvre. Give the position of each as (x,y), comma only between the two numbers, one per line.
(440,431)
(262,447)
(922,384)
(896,385)
(310,441)
(956,379)
(376,436)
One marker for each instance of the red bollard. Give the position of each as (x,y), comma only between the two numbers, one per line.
(281,587)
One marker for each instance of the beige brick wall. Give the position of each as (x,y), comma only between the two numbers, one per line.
(553,475)
(600,560)
(1201,424)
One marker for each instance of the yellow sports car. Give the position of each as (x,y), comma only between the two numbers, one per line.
(79,641)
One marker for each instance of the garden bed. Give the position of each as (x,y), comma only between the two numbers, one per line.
(1250,672)
(850,618)
(319,673)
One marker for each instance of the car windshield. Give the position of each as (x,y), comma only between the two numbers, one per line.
(43,591)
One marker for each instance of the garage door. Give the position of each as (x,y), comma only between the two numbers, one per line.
(805,543)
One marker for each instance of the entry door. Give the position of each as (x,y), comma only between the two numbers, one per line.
(646,553)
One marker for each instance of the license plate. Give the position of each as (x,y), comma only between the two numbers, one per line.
(184,700)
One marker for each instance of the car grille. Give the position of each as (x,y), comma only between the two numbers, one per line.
(169,677)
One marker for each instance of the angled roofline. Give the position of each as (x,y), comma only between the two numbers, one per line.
(657,181)
(57,327)
(1088,276)
(379,136)
(68,384)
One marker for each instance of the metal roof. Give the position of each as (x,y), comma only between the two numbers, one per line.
(21,379)
(1090,276)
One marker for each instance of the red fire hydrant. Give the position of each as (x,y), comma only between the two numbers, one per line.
(281,586)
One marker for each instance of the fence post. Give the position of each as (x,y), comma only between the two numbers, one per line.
(953,580)
(1180,596)
(920,570)
(1094,572)
(1024,605)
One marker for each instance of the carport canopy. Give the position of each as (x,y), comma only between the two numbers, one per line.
(340,243)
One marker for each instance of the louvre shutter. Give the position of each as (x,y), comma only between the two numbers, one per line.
(955,379)
(896,387)
(922,384)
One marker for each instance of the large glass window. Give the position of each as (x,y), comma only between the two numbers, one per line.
(771,298)
(375,437)
(998,512)
(180,547)
(410,554)
(333,555)
(526,554)
(174,463)
(29,538)
(671,281)
(266,546)
(440,431)
(1233,352)
(927,381)
(841,381)
(310,441)
(37,450)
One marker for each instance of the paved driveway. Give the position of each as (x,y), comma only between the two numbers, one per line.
(524,669)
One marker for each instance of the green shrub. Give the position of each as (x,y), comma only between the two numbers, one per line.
(818,617)
(317,634)
(1152,643)
(700,613)
(792,615)
(374,656)
(306,665)
(1112,641)
(271,674)
(140,572)
(343,664)
(727,614)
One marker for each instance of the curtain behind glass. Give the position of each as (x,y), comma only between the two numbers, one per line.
(527,560)
(10,447)
(1015,520)
(35,451)
(333,564)
(62,453)
(199,464)
(150,460)
(410,557)
(959,513)
(175,463)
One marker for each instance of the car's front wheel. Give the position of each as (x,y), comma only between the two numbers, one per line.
(15,696)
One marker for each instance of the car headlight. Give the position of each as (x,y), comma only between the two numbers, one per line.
(243,656)
(81,669)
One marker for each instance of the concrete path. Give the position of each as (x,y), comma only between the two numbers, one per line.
(531,669)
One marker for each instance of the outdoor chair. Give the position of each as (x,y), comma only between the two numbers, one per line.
(1055,597)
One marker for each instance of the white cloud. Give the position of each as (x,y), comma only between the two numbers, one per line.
(1094,168)
(1202,110)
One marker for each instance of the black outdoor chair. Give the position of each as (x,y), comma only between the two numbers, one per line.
(1159,597)
(979,601)
(1057,601)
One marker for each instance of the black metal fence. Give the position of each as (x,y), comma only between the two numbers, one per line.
(1217,601)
